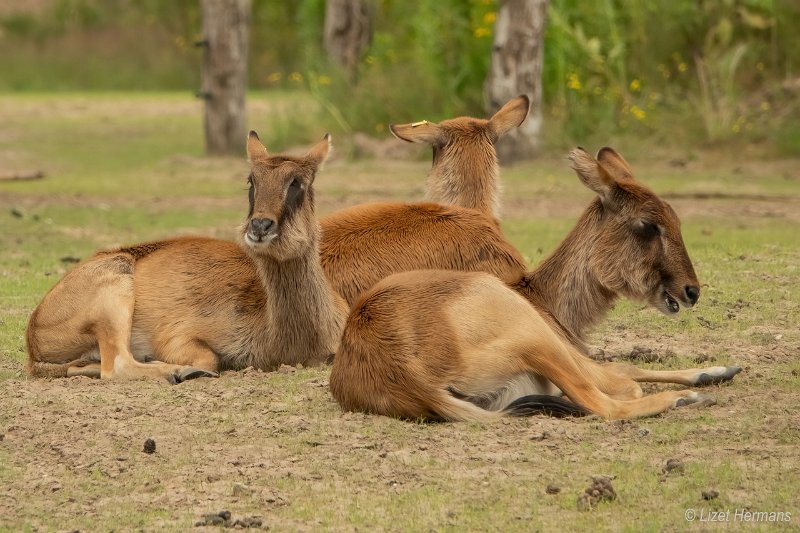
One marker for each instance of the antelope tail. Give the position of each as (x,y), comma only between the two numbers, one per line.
(536,404)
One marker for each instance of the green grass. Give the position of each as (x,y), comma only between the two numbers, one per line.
(127,168)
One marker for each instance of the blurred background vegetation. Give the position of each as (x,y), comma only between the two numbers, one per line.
(677,72)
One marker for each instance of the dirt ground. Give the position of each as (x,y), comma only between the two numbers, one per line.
(275,451)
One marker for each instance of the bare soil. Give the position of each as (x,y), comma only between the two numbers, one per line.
(274,450)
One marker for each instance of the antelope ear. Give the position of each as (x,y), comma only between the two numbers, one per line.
(320,151)
(510,116)
(590,172)
(417,132)
(614,164)
(255,150)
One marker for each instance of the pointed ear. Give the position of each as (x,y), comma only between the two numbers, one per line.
(614,164)
(320,151)
(510,116)
(591,173)
(255,150)
(417,132)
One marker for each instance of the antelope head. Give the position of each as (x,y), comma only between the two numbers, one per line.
(448,136)
(636,242)
(281,221)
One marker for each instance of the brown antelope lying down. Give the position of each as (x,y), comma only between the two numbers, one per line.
(188,307)
(365,243)
(466,346)
(465,170)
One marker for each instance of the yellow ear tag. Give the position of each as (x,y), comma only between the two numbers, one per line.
(421,123)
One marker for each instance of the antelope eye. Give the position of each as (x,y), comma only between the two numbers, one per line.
(646,229)
(295,184)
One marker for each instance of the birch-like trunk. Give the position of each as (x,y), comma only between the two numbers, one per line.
(516,68)
(226,25)
(348,32)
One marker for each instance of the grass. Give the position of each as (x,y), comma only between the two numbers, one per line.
(127,168)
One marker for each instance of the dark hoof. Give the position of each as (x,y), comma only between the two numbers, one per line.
(191,373)
(707,379)
(699,400)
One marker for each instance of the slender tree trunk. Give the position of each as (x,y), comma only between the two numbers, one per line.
(226,25)
(348,32)
(516,68)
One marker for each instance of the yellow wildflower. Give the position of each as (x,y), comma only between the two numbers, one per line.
(638,112)
(274,77)
(480,32)
(490,17)
(574,82)
(324,80)
(683,67)
(764,106)
(635,85)
(295,76)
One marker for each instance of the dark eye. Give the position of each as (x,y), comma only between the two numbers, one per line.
(295,184)
(646,230)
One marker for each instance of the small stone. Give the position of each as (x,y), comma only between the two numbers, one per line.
(286,369)
(673,465)
(240,489)
(710,494)
(149,446)
(599,490)
(225,515)
(539,435)
(552,489)
(248,522)
(211,519)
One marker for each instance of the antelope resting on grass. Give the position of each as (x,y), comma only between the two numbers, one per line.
(365,243)
(467,346)
(189,307)
(465,170)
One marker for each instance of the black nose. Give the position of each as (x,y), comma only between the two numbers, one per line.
(692,294)
(260,226)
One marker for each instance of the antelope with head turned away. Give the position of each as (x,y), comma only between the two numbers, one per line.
(365,243)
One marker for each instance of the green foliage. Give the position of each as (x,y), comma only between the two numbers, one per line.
(664,70)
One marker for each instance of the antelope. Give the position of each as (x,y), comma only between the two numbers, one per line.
(365,243)
(468,346)
(465,170)
(189,307)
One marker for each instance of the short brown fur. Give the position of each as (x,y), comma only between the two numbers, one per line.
(465,171)
(363,244)
(192,306)
(416,337)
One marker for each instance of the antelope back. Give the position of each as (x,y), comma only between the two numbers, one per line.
(637,249)
(280,222)
(366,243)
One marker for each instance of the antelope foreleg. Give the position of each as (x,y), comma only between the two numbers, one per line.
(691,377)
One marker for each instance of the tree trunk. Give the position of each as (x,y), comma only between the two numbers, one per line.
(226,25)
(516,68)
(348,32)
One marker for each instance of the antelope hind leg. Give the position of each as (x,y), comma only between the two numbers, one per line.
(110,316)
